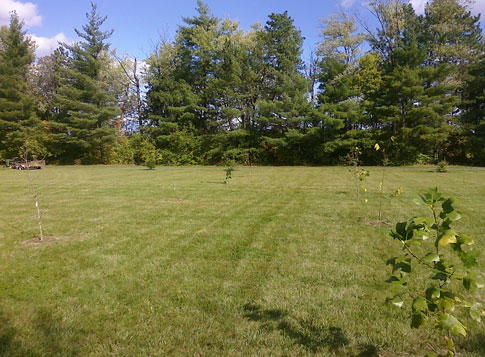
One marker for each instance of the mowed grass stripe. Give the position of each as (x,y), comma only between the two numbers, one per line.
(280,261)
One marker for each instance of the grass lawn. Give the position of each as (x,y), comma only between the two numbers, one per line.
(280,261)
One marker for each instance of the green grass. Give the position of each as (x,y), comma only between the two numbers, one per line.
(280,261)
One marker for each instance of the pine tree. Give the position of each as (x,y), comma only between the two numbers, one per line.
(412,103)
(18,117)
(338,98)
(473,120)
(283,104)
(85,110)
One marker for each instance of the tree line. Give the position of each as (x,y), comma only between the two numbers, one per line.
(215,92)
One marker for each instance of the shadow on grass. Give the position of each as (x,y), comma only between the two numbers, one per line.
(8,345)
(314,337)
(473,343)
(255,313)
(368,350)
(308,334)
(48,337)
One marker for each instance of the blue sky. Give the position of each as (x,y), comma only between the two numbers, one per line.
(139,24)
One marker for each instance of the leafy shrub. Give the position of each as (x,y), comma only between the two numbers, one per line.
(442,166)
(423,159)
(122,152)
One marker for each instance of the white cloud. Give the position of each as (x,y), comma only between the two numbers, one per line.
(46,45)
(346,4)
(418,5)
(27,12)
(477,8)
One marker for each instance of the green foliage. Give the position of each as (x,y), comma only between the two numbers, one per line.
(359,174)
(85,108)
(122,151)
(442,166)
(17,100)
(228,170)
(423,159)
(215,88)
(447,256)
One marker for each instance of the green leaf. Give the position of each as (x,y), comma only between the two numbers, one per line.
(447,205)
(472,282)
(433,293)
(418,319)
(401,229)
(431,258)
(404,266)
(440,276)
(476,311)
(396,301)
(453,216)
(459,274)
(465,239)
(468,259)
(464,248)
(423,221)
(418,202)
(391,261)
(450,345)
(445,303)
(450,323)
(447,237)
(421,234)
(432,196)
(420,304)
(396,284)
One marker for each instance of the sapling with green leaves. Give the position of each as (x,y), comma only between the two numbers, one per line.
(447,258)
(377,147)
(442,166)
(228,170)
(359,173)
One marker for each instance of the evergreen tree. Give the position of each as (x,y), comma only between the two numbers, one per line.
(47,81)
(412,103)
(283,105)
(473,121)
(85,110)
(452,34)
(18,117)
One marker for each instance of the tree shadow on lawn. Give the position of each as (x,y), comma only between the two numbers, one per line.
(473,343)
(305,333)
(8,345)
(48,337)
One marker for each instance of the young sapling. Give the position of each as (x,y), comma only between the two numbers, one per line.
(447,258)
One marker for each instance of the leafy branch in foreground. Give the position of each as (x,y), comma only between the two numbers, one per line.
(432,243)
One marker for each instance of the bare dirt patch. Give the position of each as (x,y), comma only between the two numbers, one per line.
(378,223)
